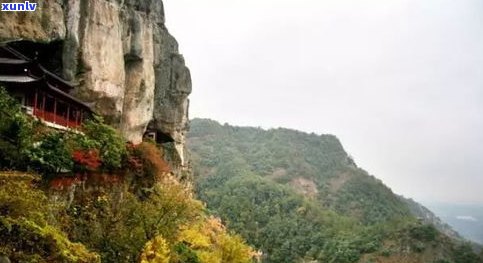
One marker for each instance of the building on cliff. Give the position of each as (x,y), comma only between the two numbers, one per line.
(41,93)
(125,61)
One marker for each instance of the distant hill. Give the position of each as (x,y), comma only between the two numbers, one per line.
(423,213)
(466,219)
(300,197)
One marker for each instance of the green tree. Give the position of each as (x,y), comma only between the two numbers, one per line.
(111,146)
(51,155)
(464,254)
(16,132)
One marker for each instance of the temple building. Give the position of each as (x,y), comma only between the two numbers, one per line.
(41,93)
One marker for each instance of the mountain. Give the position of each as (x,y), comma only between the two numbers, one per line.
(300,197)
(467,219)
(423,213)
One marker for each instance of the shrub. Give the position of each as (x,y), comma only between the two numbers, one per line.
(464,254)
(133,160)
(210,242)
(424,232)
(104,138)
(167,207)
(15,133)
(146,162)
(120,227)
(50,155)
(31,242)
(28,232)
(342,251)
(156,251)
(146,159)
(184,254)
(18,199)
(86,159)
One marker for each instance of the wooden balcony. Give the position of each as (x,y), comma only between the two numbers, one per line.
(51,117)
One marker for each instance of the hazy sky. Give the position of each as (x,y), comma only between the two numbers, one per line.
(400,82)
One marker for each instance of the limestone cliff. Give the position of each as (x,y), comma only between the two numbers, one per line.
(123,59)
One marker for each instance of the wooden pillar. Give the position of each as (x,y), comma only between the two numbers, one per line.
(68,115)
(35,98)
(77,122)
(55,110)
(43,104)
(76,117)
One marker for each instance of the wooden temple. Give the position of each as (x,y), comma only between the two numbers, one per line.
(41,93)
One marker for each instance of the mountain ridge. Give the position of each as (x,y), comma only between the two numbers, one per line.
(249,176)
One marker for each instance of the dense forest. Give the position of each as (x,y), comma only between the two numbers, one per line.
(300,197)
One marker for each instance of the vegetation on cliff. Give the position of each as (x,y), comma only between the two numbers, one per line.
(28,227)
(301,198)
(90,197)
(27,145)
(167,226)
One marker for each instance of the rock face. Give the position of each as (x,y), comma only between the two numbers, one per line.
(44,25)
(123,58)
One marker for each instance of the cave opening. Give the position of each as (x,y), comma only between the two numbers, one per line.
(49,55)
(158,137)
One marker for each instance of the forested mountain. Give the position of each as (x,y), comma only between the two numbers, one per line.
(427,216)
(300,197)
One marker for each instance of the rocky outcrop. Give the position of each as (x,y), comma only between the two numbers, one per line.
(44,25)
(123,59)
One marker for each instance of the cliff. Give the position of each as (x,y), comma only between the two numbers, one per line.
(122,59)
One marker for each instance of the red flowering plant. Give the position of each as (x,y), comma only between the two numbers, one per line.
(86,160)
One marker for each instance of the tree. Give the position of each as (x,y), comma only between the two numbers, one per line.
(464,254)
(16,133)
(50,155)
(211,243)
(156,251)
(111,146)
(28,230)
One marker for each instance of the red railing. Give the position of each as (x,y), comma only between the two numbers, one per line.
(55,118)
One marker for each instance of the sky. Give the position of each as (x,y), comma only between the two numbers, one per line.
(399,82)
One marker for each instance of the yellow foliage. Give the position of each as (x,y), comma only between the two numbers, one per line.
(209,256)
(234,249)
(28,232)
(195,237)
(212,244)
(156,251)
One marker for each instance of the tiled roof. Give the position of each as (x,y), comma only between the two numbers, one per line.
(17,79)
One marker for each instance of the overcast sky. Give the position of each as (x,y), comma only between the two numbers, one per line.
(400,82)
